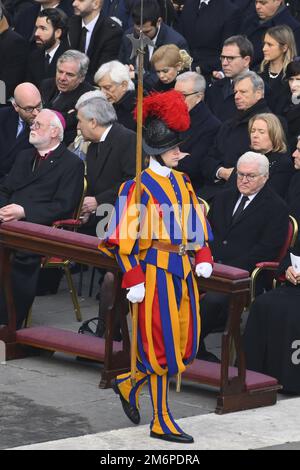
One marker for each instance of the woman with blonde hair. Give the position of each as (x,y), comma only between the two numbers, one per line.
(168,61)
(279,48)
(267,137)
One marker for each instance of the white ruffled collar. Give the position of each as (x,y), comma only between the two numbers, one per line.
(158,168)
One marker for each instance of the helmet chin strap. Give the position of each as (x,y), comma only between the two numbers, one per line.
(159,159)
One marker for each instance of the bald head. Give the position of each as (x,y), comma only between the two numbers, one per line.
(27,101)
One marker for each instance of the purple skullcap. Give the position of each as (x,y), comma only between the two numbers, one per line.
(61,118)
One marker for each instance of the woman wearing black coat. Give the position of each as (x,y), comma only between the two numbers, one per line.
(267,137)
(292,110)
(114,80)
(272,335)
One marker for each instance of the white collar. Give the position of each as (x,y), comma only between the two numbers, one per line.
(44,152)
(159,169)
(90,26)
(104,135)
(52,52)
(204,1)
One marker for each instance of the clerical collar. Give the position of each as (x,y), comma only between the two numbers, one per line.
(44,152)
(159,169)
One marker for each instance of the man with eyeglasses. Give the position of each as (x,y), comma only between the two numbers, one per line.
(232,140)
(45,184)
(198,139)
(236,56)
(14,124)
(249,223)
(267,13)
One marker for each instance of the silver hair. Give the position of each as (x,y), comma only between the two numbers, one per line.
(117,71)
(256,80)
(75,56)
(259,158)
(55,122)
(199,80)
(88,96)
(98,108)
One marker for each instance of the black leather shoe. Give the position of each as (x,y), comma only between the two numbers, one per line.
(131,411)
(182,438)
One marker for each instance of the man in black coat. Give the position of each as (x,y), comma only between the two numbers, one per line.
(204,126)
(25,19)
(233,139)
(50,41)
(111,155)
(206,24)
(15,121)
(62,92)
(14,52)
(45,184)
(159,33)
(98,37)
(268,13)
(249,224)
(236,56)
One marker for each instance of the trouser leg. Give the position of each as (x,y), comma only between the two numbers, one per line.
(163,421)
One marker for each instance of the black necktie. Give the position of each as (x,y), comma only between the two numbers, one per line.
(82,40)
(240,208)
(47,62)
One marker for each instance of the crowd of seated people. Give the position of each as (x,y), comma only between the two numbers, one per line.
(236,64)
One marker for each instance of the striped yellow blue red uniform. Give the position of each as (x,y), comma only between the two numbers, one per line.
(168,318)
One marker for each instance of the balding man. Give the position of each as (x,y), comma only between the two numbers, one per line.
(14,124)
(45,184)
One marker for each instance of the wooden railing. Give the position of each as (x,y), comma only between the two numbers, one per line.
(238,388)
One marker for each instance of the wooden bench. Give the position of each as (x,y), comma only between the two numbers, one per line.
(238,388)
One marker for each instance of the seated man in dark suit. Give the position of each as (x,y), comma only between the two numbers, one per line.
(236,57)
(249,224)
(206,25)
(51,43)
(156,30)
(14,52)
(111,155)
(204,125)
(15,122)
(98,37)
(233,139)
(24,20)
(62,92)
(45,184)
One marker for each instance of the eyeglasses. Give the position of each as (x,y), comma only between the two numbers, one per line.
(30,109)
(229,58)
(249,177)
(37,125)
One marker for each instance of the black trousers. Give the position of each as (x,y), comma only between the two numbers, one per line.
(214,313)
(25,274)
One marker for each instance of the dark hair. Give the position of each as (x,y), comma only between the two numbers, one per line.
(245,46)
(151,12)
(293,68)
(56,17)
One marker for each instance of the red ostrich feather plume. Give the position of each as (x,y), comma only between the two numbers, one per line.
(170,107)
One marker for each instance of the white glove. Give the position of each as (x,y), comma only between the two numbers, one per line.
(203,269)
(136,293)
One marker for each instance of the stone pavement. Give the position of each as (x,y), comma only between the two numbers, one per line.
(55,403)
